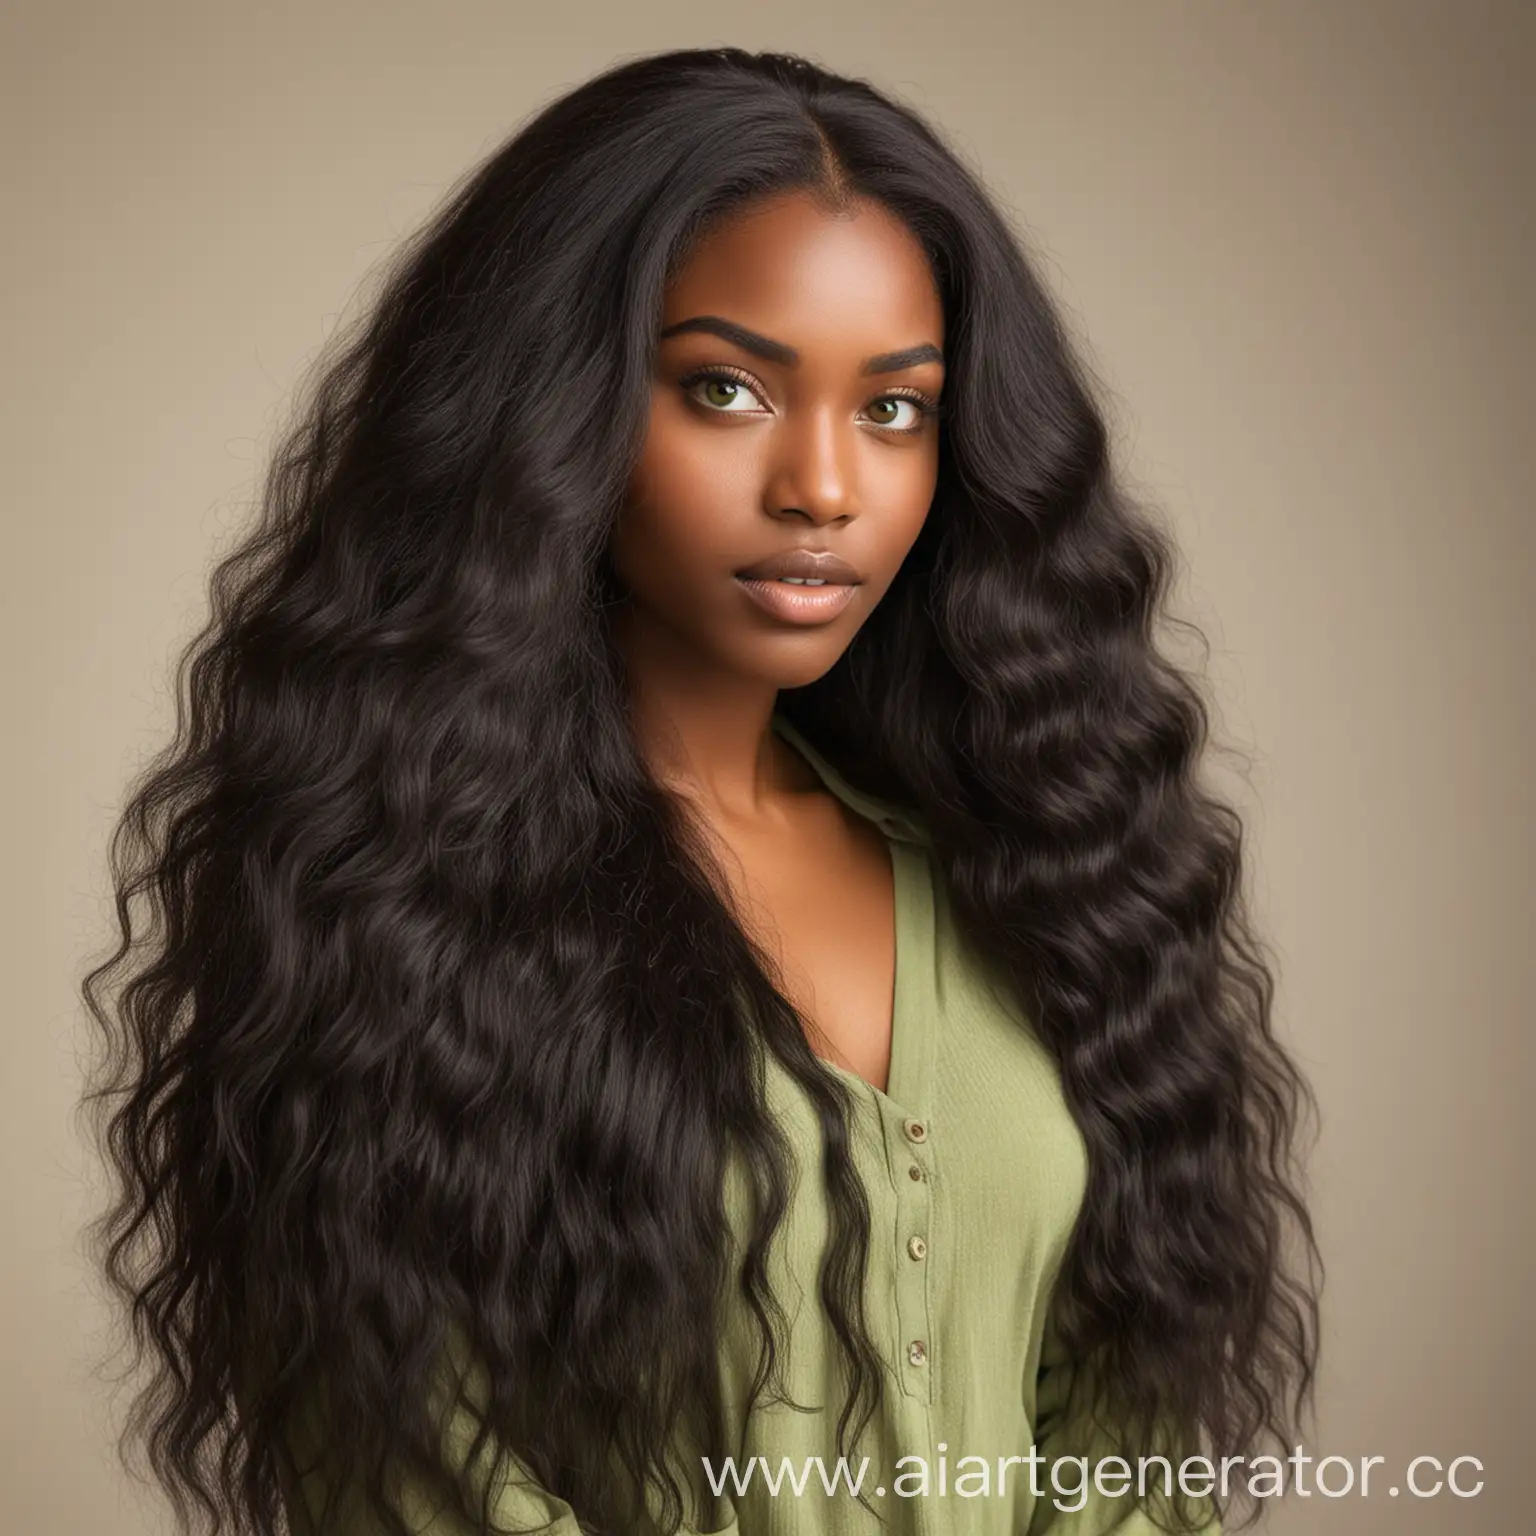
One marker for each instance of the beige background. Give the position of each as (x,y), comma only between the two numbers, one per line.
(1297,235)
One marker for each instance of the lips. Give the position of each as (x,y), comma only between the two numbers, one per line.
(811,564)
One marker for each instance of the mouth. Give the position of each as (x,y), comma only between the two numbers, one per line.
(809,568)
(798,600)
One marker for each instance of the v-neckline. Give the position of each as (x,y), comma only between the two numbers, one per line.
(896,1055)
(896,1085)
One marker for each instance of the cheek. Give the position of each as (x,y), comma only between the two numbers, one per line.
(675,516)
(688,462)
(903,488)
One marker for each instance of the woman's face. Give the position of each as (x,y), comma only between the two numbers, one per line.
(792,404)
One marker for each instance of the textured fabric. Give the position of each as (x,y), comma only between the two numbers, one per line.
(975,1173)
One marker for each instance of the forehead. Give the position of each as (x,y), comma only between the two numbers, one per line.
(805,275)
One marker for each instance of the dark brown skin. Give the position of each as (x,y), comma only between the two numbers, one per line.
(779,456)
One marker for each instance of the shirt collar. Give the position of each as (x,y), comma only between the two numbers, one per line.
(899,822)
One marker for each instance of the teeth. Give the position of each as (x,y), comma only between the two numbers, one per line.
(805,581)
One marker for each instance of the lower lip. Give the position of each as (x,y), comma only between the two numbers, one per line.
(799,605)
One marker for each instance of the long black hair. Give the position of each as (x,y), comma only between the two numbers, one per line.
(423,1015)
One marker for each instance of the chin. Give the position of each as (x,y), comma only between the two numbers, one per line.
(800,664)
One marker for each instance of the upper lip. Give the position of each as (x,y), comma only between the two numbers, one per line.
(820,564)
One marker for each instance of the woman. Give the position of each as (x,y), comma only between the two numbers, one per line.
(591,1004)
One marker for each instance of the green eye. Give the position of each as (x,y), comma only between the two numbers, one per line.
(720,392)
(726,395)
(893,404)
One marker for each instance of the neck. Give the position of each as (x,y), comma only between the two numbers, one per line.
(705,734)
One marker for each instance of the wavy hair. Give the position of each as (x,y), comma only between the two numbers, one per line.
(424,1013)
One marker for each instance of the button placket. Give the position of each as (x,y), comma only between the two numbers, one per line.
(910,1136)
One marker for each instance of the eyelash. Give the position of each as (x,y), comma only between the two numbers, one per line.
(925,404)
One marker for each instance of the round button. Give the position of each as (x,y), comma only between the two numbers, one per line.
(914,1173)
(917,1247)
(917,1352)
(915,1129)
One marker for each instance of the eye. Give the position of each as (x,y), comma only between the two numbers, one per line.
(722,391)
(726,392)
(917,409)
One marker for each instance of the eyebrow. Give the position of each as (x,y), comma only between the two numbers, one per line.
(777,352)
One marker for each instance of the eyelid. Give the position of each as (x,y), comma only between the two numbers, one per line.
(909,392)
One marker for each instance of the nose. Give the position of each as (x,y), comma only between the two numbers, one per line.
(813,470)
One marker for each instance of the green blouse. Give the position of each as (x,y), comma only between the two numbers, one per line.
(975,1173)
